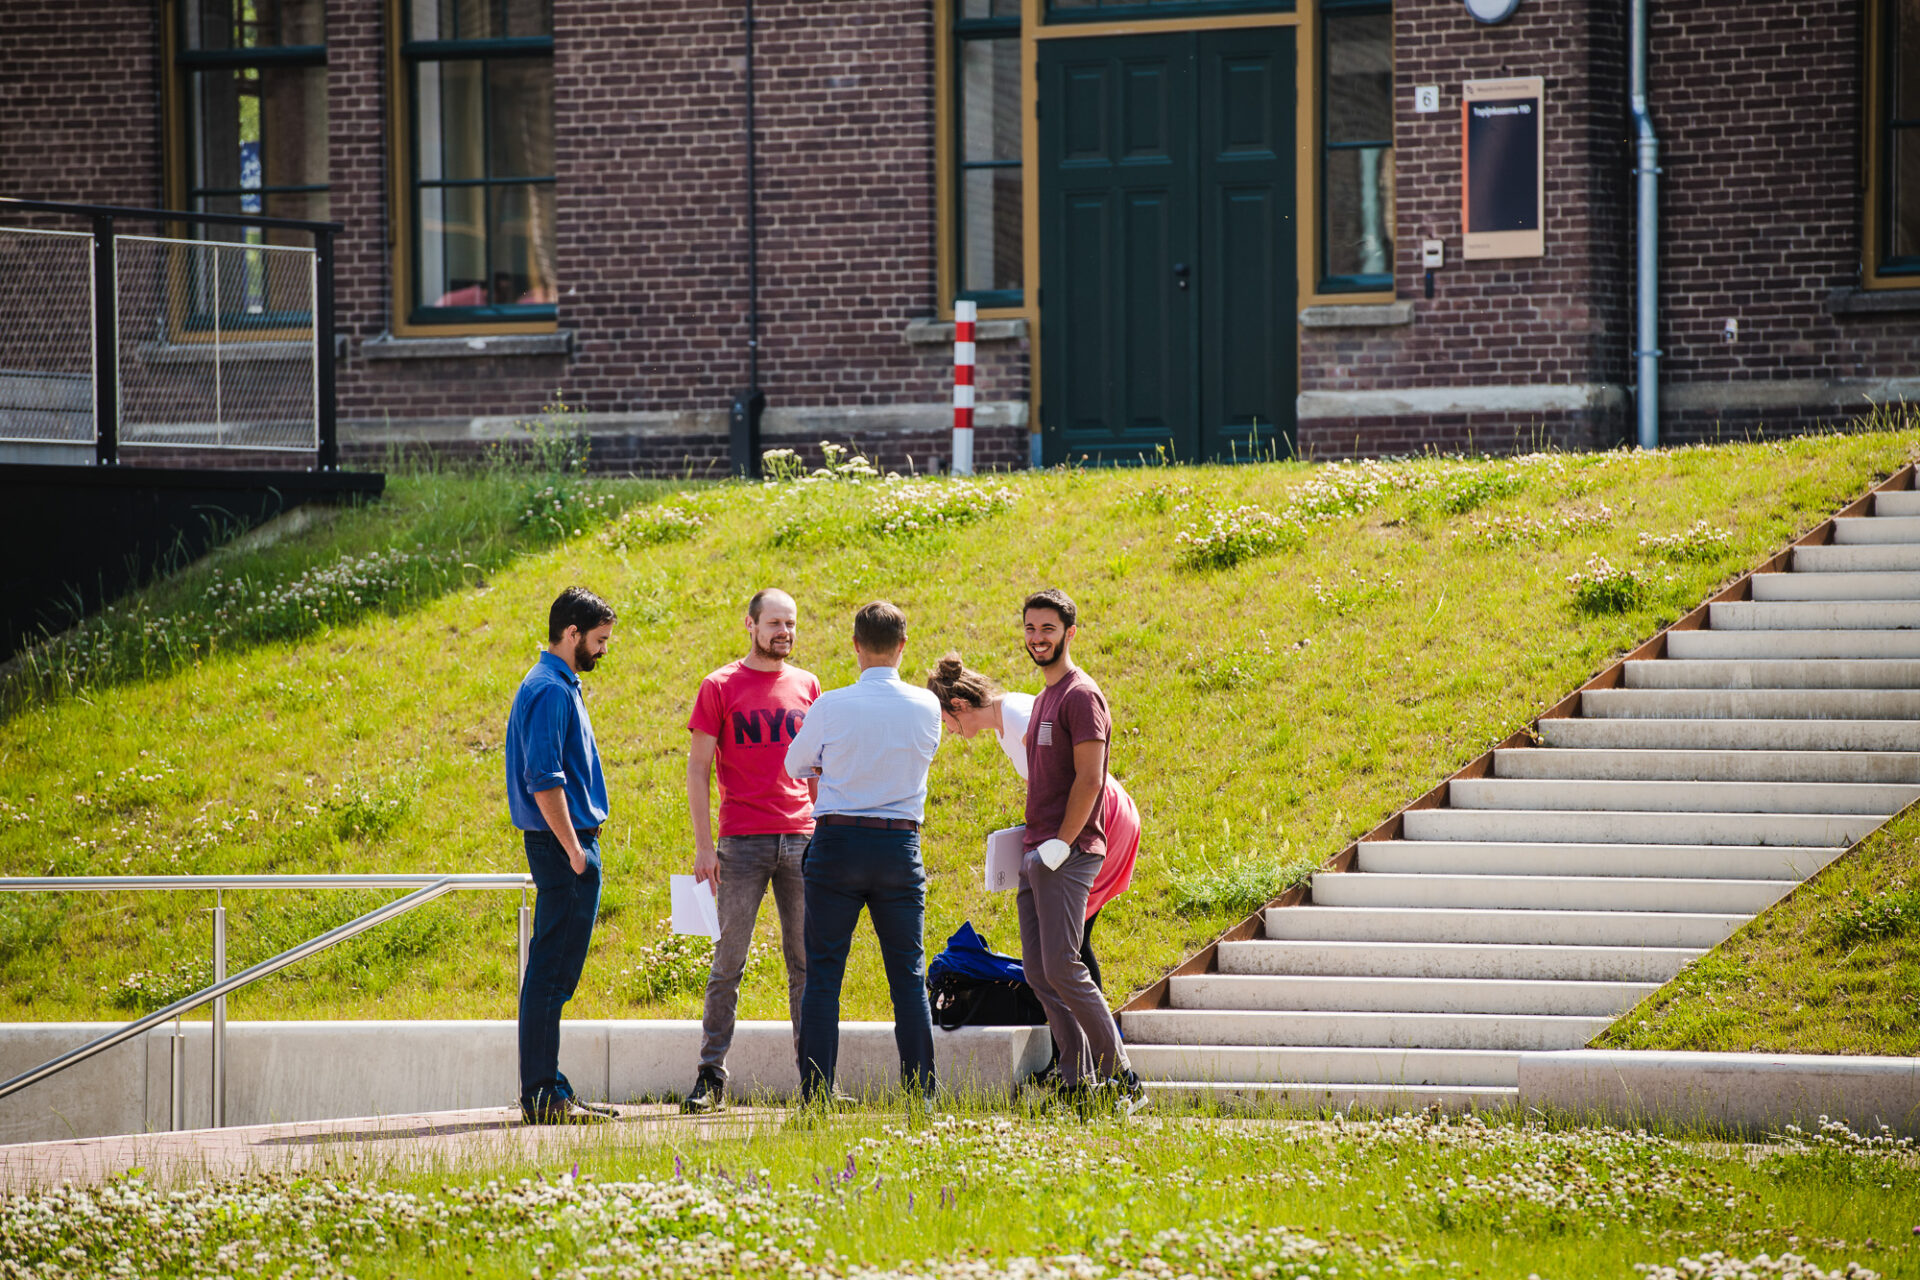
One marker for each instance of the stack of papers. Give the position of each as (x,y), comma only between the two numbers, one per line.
(694,910)
(1005,849)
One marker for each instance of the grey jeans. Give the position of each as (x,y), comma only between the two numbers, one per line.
(1053,919)
(748,864)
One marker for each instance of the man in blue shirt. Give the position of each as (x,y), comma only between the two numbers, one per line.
(869,744)
(558,798)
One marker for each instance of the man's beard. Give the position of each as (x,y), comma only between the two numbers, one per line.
(1059,652)
(583,658)
(769,655)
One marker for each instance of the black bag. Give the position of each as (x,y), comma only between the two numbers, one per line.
(960,1001)
(971,985)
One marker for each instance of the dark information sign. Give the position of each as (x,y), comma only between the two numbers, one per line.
(1502,183)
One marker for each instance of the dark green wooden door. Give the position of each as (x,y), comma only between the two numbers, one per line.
(1166,245)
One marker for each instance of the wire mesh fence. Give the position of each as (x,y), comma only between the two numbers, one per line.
(216,344)
(46,336)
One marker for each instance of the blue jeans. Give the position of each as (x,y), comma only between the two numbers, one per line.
(563,912)
(848,868)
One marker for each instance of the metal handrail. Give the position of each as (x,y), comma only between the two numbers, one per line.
(429,887)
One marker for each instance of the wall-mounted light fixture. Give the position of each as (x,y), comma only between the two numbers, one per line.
(1491,11)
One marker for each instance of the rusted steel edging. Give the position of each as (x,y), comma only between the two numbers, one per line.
(1610,677)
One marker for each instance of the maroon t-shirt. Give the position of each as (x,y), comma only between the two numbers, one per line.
(1072,710)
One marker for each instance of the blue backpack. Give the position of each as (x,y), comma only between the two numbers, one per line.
(970,985)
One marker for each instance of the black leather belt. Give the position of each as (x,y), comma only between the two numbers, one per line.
(878,824)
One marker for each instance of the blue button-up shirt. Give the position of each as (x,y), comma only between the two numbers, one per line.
(872,742)
(550,744)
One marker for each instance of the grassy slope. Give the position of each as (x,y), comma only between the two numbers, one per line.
(1806,976)
(1259,725)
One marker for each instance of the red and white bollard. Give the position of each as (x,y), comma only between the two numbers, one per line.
(963,317)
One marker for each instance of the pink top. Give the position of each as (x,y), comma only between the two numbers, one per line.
(752,716)
(1121,819)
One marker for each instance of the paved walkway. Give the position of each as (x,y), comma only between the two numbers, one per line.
(442,1137)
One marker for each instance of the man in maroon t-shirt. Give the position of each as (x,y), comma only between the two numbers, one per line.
(743,718)
(1067,740)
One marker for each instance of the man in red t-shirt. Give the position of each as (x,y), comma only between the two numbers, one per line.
(743,718)
(1067,737)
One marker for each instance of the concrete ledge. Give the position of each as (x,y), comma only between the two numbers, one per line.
(1867,302)
(388,347)
(934,332)
(782,425)
(1854,395)
(281,1072)
(1753,1093)
(1423,401)
(1357,315)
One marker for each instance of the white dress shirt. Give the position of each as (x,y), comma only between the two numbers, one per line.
(872,742)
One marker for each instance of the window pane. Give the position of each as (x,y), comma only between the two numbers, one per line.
(520,103)
(990,230)
(1906,58)
(523,244)
(989,100)
(259,127)
(480,19)
(990,9)
(1903,188)
(254,24)
(453,247)
(452,131)
(1360,78)
(1359,212)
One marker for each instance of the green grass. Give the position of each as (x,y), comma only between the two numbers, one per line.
(982,1196)
(1834,968)
(1291,653)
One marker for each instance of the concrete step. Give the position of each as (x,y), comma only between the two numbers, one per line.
(1865,530)
(1832,559)
(1814,615)
(1575,826)
(1868,559)
(1836,586)
(1485,925)
(1806,673)
(1732,735)
(1752,704)
(1776,645)
(1275,1064)
(1682,797)
(1360,1030)
(1548,893)
(1897,502)
(1685,861)
(1350,1099)
(1536,961)
(1710,766)
(1405,995)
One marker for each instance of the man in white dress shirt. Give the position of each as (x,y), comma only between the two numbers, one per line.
(870,745)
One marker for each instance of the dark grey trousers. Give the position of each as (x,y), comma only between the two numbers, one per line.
(1053,916)
(748,865)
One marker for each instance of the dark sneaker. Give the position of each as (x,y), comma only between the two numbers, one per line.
(709,1094)
(1129,1092)
(552,1108)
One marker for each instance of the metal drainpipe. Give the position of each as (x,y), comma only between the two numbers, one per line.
(743,419)
(1646,237)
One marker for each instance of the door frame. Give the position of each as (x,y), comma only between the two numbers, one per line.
(1307,77)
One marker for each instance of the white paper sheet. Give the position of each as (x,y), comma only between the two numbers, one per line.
(694,910)
(1005,849)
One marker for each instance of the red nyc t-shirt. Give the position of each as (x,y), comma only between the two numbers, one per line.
(753,715)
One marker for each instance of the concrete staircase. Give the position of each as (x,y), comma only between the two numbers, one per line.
(1545,899)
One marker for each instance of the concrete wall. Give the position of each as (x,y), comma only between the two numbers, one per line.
(1751,1093)
(285,1071)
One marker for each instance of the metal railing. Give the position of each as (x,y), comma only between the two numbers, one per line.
(167,341)
(425,889)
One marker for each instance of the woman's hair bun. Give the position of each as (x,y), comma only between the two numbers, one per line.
(951,667)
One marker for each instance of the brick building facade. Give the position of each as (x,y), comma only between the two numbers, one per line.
(880,126)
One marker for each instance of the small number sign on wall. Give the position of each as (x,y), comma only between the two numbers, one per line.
(1502,169)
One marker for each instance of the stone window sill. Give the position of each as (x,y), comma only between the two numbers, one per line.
(1357,315)
(932,332)
(388,347)
(1869,302)
(235,350)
